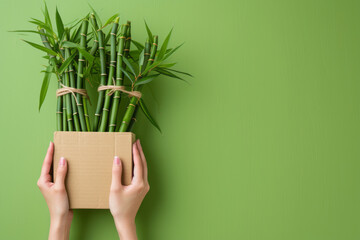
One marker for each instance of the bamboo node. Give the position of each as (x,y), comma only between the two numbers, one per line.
(122,37)
(82,34)
(112,125)
(132,105)
(101,48)
(97,114)
(114,88)
(113,34)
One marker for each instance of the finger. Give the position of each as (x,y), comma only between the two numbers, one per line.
(61,172)
(116,173)
(143,160)
(47,160)
(138,166)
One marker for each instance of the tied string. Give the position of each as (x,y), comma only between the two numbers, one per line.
(114,88)
(66,90)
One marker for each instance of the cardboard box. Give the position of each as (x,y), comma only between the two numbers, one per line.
(90,157)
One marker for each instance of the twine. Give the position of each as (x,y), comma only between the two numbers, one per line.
(66,90)
(114,88)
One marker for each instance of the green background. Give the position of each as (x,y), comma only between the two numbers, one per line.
(263,144)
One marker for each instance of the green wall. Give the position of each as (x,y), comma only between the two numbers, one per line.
(263,145)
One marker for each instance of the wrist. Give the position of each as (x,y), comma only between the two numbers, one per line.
(126,228)
(58,228)
(60,225)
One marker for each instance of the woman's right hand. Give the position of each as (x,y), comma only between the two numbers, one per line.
(124,201)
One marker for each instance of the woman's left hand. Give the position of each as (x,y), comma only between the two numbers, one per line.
(56,196)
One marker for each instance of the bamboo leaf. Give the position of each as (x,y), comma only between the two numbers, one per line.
(31,31)
(172,51)
(185,73)
(43,25)
(151,39)
(98,19)
(151,67)
(168,65)
(75,36)
(128,64)
(127,75)
(141,58)
(138,45)
(59,24)
(164,46)
(110,20)
(82,50)
(45,85)
(49,51)
(146,79)
(66,63)
(47,16)
(107,37)
(148,115)
(169,74)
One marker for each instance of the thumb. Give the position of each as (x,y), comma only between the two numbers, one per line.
(61,172)
(116,173)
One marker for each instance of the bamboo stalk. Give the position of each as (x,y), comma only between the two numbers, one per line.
(134,100)
(124,43)
(68,97)
(73,100)
(52,60)
(79,80)
(64,121)
(133,119)
(103,74)
(106,108)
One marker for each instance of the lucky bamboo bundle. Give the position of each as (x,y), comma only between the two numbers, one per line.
(121,72)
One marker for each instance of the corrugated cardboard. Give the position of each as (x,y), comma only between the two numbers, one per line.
(90,157)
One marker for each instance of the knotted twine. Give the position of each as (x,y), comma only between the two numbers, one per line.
(114,88)
(66,90)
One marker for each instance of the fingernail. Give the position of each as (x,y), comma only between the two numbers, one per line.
(62,161)
(117,160)
(50,144)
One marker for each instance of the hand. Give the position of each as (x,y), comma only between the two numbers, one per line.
(125,201)
(56,196)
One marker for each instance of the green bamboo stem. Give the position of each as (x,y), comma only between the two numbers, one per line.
(52,60)
(150,61)
(73,99)
(124,43)
(106,108)
(103,74)
(134,100)
(79,80)
(133,119)
(69,97)
(59,114)
(64,121)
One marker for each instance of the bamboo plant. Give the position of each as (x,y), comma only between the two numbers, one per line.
(86,53)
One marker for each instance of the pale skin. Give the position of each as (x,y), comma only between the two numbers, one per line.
(124,201)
